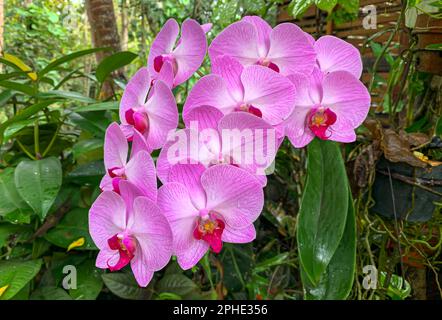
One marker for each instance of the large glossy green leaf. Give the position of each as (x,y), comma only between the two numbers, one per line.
(124,286)
(38,183)
(112,63)
(10,200)
(89,282)
(326,5)
(72,227)
(336,282)
(50,293)
(323,209)
(298,7)
(16,274)
(54,64)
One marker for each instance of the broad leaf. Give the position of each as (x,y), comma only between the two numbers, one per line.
(10,200)
(38,183)
(299,7)
(72,227)
(326,5)
(124,286)
(112,63)
(54,64)
(89,282)
(323,209)
(177,284)
(16,274)
(336,282)
(50,293)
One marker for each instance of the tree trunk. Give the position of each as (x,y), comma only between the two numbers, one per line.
(104,33)
(124,25)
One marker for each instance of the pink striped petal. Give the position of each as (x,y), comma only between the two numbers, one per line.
(189,175)
(115,147)
(239,40)
(140,170)
(107,257)
(138,144)
(153,234)
(176,205)
(135,93)
(230,70)
(141,272)
(205,117)
(190,52)
(290,50)
(107,217)
(190,257)
(270,92)
(263,30)
(210,90)
(244,235)
(163,115)
(163,43)
(346,96)
(334,54)
(233,193)
(128,192)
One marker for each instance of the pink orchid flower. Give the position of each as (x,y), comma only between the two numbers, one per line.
(185,56)
(152,111)
(130,228)
(252,40)
(139,170)
(239,138)
(232,87)
(334,54)
(328,106)
(206,207)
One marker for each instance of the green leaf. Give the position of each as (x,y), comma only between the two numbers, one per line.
(5,95)
(434,46)
(89,282)
(398,287)
(70,95)
(24,115)
(9,198)
(102,106)
(16,274)
(73,226)
(323,209)
(54,64)
(299,7)
(50,293)
(112,63)
(351,6)
(17,86)
(124,286)
(38,183)
(336,282)
(326,5)
(177,284)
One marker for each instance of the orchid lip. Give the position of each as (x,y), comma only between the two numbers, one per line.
(209,228)
(250,109)
(319,121)
(138,119)
(125,245)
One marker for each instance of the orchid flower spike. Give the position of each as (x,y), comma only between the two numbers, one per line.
(184,56)
(329,106)
(139,170)
(284,49)
(253,89)
(206,207)
(129,228)
(152,111)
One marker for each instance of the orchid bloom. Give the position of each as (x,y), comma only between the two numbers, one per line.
(252,40)
(139,170)
(328,106)
(184,56)
(130,228)
(151,111)
(239,138)
(206,207)
(232,87)
(334,54)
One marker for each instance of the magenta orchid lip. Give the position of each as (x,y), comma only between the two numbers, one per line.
(266,84)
